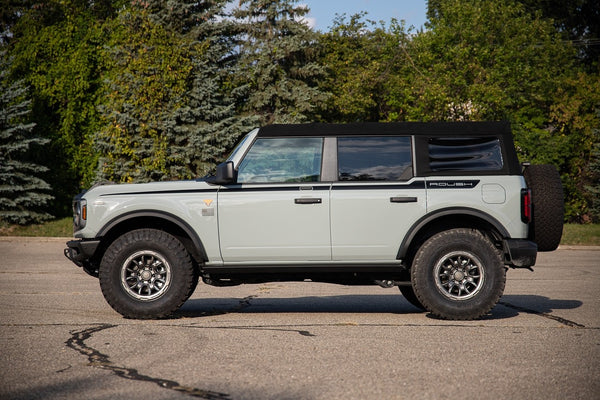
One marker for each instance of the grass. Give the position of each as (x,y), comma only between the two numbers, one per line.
(57,228)
(573,234)
(581,235)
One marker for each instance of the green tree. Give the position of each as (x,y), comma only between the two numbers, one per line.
(278,60)
(10,12)
(594,187)
(498,60)
(148,79)
(484,60)
(23,192)
(575,119)
(364,61)
(169,112)
(57,48)
(578,20)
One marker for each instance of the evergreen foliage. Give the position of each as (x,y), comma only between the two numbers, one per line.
(147,84)
(279,61)
(168,115)
(23,193)
(57,49)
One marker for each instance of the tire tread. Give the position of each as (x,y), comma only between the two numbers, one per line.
(181,265)
(422,279)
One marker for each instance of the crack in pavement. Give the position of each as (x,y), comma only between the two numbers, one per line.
(99,360)
(96,359)
(561,320)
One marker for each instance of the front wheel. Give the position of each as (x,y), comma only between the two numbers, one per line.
(146,273)
(458,274)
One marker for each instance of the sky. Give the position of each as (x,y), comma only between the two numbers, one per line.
(322,12)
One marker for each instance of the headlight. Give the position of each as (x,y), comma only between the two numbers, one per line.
(79,213)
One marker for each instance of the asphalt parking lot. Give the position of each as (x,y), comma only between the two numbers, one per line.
(60,340)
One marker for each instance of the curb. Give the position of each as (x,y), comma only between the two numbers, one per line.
(573,247)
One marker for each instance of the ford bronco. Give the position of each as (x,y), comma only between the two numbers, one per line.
(440,210)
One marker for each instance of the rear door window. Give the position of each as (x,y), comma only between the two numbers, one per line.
(374,158)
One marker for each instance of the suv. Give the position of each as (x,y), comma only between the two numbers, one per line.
(438,209)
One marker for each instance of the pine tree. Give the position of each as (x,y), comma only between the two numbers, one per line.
(214,125)
(23,194)
(57,49)
(278,60)
(169,113)
(147,81)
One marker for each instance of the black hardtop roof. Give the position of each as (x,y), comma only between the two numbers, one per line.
(456,129)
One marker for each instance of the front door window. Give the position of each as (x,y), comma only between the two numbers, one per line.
(282,160)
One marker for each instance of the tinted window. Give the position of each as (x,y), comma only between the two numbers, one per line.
(465,154)
(373,158)
(282,160)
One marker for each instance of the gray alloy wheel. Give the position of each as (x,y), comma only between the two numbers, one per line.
(147,273)
(458,274)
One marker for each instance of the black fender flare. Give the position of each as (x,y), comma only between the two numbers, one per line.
(184,226)
(451,211)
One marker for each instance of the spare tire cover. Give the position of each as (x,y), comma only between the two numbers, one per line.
(547,205)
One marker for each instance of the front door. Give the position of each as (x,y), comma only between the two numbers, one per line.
(278,211)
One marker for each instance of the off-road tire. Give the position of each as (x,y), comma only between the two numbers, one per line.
(147,273)
(547,206)
(453,258)
(409,294)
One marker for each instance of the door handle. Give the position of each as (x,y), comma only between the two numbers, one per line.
(308,200)
(400,199)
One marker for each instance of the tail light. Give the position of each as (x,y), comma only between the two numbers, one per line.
(526,205)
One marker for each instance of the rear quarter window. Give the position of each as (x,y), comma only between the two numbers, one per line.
(465,154)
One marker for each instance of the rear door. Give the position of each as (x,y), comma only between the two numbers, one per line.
(376,199)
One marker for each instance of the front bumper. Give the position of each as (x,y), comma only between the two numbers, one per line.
(520,253)
(80,252)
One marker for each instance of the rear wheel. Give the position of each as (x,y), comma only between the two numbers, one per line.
(147,273)
(458,274)
(410,296)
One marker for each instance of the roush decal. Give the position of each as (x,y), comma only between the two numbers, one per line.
(448,184)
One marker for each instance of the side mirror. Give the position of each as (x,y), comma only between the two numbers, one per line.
(225,173)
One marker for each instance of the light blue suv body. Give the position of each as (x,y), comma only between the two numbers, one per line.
(350,204)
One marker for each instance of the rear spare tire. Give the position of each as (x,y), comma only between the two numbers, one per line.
(547,206)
